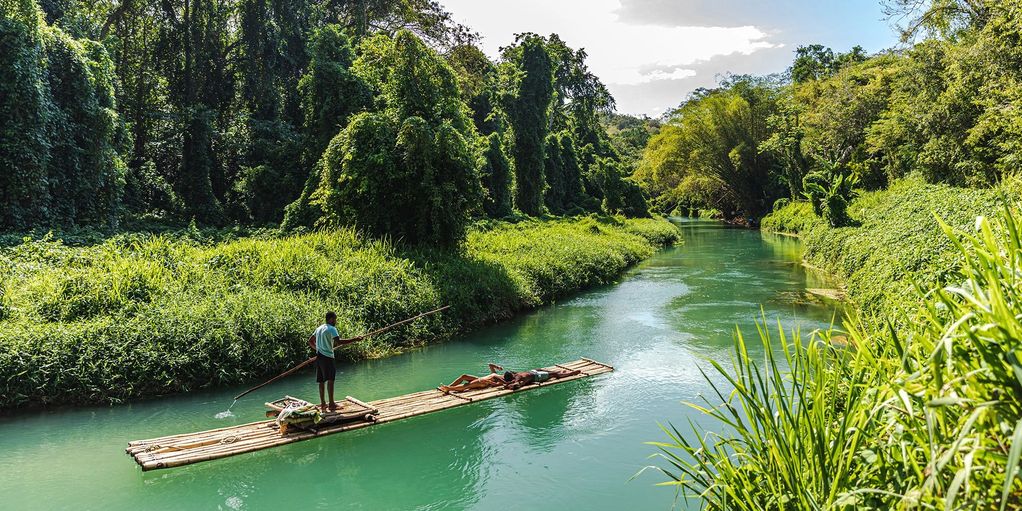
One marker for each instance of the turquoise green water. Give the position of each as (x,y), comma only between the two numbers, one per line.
(576,445)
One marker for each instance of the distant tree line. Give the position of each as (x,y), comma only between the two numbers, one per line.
(947,106)
(378,114)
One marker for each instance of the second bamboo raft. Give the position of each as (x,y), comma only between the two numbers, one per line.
(185,449)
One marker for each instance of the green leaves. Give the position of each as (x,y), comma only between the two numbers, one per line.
(496,177)
(830,190)
(409,172)
(714,137)
(25,101)
(927,412)
(143,316)
(1013,466)
(527,95)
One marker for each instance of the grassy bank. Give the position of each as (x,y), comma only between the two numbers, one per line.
(896,243)
(919,408)
(140,316)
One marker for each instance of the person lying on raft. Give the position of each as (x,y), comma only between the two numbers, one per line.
(515,381)
(468,382)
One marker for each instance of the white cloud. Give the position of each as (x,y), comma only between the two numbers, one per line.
(677,73)
(653,53)
(621,54)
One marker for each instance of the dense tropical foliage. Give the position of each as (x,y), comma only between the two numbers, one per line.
(380,115)
(76,322)
(917,404)
(379,124)
(944,106)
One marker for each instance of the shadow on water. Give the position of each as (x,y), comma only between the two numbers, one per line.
(540,416)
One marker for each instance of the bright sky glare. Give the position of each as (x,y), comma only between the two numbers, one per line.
(652,53)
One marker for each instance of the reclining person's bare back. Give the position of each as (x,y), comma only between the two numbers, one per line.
(467,382)
(509,380)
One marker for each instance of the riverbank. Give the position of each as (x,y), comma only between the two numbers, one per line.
(927,387)
(141,316)
(896,242)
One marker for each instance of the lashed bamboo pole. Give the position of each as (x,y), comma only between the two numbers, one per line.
(209,445)
(433,400)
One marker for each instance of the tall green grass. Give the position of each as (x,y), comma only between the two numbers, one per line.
(141,316)
(796,217)
(924,416)
(896,244)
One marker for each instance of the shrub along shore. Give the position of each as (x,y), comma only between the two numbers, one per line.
(139,316)
(919,407)
(896,241)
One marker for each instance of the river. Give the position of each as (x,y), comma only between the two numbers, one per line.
(573,446)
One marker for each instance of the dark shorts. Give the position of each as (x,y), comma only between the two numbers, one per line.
(326,369)
(539,376)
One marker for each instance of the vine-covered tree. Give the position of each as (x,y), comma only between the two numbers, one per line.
(528,91)
(24,147)
(194,56)
(410,171)
(496,177)
(477,78)
(222,111)
(330,94)
(580,97)
(272,45)
(59,160)
(85,172)
(564,174)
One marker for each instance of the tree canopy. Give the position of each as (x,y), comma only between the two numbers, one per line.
(944,107)
(381,115)
(410,171)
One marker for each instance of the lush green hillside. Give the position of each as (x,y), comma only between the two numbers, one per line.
(146,315)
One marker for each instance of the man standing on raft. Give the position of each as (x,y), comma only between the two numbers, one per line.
(322,340)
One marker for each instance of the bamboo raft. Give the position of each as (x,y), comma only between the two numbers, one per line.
(185,449)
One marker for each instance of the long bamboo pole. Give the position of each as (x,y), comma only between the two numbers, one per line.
(339,344)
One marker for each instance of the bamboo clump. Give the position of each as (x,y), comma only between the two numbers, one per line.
(185,449)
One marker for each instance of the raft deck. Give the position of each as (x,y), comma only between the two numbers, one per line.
(185,449)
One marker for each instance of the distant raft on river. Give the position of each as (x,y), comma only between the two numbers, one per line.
(295,420)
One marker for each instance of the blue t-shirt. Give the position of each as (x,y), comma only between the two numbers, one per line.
(325,335)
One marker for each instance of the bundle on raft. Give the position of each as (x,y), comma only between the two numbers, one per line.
(304,421)
(291,412)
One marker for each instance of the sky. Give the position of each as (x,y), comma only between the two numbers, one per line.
(653,53)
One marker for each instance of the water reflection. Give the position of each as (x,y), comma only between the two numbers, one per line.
(539,416)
